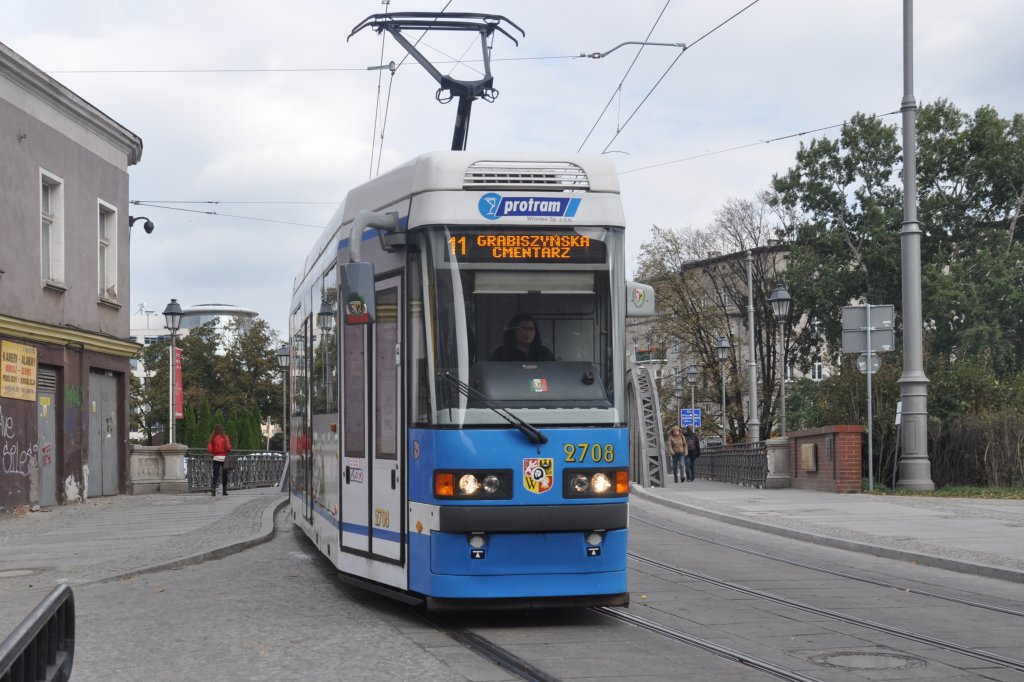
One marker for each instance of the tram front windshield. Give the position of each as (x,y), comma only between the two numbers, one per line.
(522,320)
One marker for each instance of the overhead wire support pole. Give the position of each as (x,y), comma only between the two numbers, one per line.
(466,90)
(915,467)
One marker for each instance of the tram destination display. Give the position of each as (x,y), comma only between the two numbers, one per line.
(474,246)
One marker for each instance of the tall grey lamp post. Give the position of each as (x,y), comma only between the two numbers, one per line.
(915,467)
(283,358)
(780,300)
(691,378)
(754,422)
(172,321)
(723,346)
(678,393)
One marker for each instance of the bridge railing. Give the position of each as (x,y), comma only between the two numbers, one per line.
(42,647)
(742,463)
(253,469)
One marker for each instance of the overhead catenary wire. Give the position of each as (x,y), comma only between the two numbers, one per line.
(674,61)
(748,145)
(618,89)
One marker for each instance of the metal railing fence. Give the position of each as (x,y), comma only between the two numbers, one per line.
(742,463)
(42,647)
(254,469)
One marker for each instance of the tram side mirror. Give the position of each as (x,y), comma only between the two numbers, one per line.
(639,300)
(355,280)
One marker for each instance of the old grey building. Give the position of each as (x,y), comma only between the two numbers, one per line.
(64,279)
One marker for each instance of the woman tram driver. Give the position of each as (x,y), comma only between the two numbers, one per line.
(521,342)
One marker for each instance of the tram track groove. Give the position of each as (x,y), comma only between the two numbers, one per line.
(481,646)
(979,654)
(829,571)
(705,645)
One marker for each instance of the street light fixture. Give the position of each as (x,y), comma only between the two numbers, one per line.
(172,321)
(691,378)
(723,346)
(283,358)
(780,300)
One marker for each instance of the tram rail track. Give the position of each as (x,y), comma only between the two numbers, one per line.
(706,645)
(840,574)
(945,645)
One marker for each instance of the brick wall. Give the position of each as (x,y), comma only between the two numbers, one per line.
(826,458)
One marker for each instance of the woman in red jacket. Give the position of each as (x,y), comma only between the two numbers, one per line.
(219,446)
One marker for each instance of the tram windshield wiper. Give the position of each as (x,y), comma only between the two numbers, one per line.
(532,433)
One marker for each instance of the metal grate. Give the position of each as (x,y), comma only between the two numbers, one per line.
(525,175)
(46,381)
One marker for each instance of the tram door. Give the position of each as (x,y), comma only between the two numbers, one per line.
(371,476)
(386,508)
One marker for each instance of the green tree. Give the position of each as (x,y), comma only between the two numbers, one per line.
(700,280)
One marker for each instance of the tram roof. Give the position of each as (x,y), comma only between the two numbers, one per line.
(471,171)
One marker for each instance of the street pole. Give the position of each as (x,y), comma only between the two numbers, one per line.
(915,468)
(782,381)
(170,409)
(754,425)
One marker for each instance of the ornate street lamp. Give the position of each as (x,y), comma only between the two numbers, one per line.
(284,357)
(723,346)
(691,378)
(780,300)
(172,321)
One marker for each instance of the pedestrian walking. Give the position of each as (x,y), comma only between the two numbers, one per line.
(677,448)
(219,446)
(692,451)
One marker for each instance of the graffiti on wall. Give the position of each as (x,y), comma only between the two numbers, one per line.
(15,460)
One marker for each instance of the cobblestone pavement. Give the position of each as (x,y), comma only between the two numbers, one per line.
(273,612)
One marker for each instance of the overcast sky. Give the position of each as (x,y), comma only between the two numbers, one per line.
(260,101)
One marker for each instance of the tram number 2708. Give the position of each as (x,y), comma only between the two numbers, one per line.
(577,453)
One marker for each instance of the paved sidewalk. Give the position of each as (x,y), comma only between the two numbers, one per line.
(123,536)
(979,537)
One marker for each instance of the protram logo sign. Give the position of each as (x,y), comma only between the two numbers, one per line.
(494,206)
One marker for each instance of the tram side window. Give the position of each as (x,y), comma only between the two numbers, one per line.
(324,370)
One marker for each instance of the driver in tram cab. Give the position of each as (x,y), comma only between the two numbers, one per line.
(521,342)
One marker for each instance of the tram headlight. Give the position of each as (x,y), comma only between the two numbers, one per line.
(476,484)
(468,484)
(595,483)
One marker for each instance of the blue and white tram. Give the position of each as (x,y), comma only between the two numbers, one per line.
(420,466)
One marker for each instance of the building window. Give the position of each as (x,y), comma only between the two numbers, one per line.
(107,252)
(816,371)
(51,242)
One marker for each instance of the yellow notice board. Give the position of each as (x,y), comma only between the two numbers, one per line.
(18,362)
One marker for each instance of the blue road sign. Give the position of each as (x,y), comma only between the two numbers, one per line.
(690,418)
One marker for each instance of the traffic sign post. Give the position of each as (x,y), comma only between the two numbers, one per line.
(869,330)
(690,417)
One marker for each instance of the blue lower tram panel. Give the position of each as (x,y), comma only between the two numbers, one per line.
(560,568)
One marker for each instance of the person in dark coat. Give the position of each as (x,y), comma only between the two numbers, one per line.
(521,342)
(692,451)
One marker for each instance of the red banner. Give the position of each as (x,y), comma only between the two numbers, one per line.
(179,402)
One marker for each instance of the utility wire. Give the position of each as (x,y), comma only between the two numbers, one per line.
(304,70)
(678,57)
(223,215)
(618,89)
(745,146)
